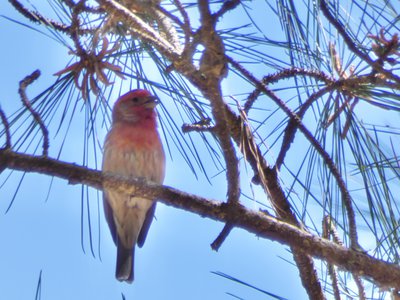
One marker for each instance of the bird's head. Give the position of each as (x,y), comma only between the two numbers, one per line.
(135,106)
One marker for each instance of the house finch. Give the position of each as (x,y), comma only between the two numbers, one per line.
(133,149)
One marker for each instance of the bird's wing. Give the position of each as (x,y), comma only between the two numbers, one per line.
(146,225)
(109,217)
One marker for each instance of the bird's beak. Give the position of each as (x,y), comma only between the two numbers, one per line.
(151,102)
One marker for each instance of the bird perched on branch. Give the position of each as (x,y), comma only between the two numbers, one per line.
(132,149)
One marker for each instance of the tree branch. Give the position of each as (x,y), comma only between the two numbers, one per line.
(37,18)
(212,64)
(346,198)
(23,84)
(143,30)
(382,273)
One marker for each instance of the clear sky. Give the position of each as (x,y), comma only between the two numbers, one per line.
(42,229)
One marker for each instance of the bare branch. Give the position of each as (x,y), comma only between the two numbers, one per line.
(383,273)
(36,17)
(329,231)
(213,69)
(292,125)
(202,126)
(283,74)
(227,6)
(23,84)
(221,237)
(211,66)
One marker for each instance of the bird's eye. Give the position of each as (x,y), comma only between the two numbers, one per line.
(135,100)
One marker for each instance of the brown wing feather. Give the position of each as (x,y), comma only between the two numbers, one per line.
(109,217)
(146,225)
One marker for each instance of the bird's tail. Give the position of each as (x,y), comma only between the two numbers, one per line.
(124,270)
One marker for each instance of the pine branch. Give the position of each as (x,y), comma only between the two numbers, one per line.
(346,198)
(382,273)
(24,83)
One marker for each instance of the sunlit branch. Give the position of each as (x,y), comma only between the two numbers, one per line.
(186,26)
(198,127)
(140,28)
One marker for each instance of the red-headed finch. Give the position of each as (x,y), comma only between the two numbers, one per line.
(133,149)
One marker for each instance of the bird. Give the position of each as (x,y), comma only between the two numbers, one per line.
(132,149)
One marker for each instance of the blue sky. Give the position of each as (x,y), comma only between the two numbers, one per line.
(42,231)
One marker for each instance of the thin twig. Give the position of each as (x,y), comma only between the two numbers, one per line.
(37,18)
(221,237)
(349,118)
(284,74)
(186,26)
(338,111)
(360,287)
(198,127)
(329,231)
(227,6)
(293,72)
(75,25)
(23,84)
(6,125)
(250,100)
(345,85)
(70,3)
(292,126)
